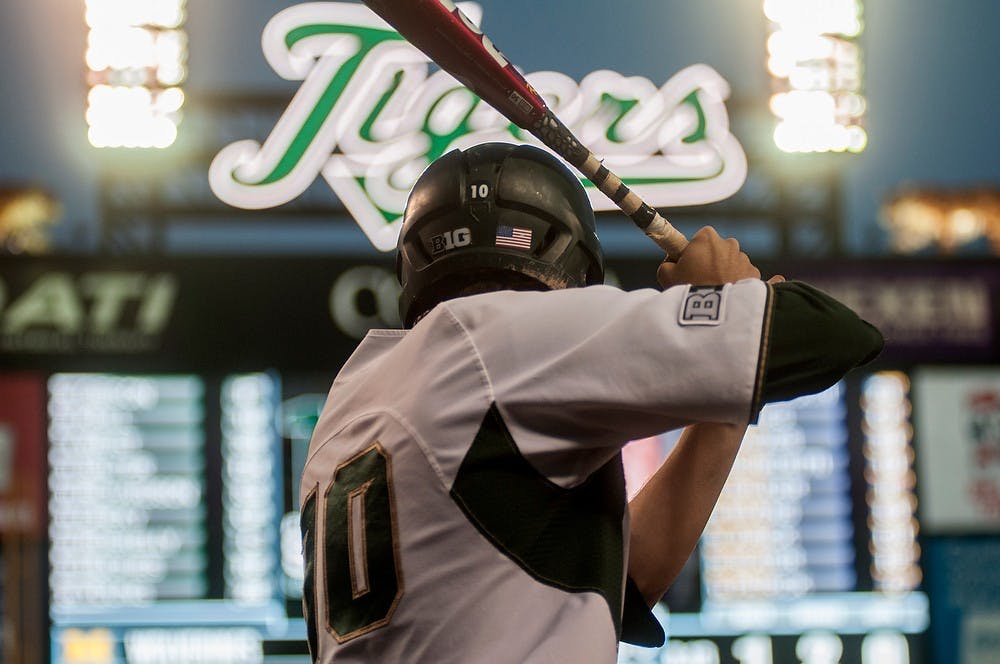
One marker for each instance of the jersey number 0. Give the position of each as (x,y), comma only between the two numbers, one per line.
(360,565)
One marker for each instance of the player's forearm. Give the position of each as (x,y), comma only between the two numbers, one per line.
(670,512)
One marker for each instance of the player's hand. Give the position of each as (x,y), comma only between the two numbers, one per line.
(708,260)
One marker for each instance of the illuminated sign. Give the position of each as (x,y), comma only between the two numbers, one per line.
(127,491)
(94,646)
(195,645)
(929,311)
(250,451)
(892,501)
(99,311)
(369,117)
(960,480)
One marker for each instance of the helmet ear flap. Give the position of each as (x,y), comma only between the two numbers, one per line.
(499,214)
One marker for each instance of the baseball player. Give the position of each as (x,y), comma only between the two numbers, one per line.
(463,498)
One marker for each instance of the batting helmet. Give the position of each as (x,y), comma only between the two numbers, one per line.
(513,215)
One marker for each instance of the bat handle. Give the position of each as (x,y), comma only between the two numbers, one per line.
(666,236)
(649,220)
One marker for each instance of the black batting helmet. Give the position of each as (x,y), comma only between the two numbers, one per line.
(496,212)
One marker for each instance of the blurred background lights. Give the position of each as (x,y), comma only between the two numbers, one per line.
(922,218)
(891,499)
(817,74)
(156,13)
(137,57)
(817,16)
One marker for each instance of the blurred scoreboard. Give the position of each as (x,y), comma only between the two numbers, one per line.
(811,554)
(174,533)
(167,495)
(127,517)
(176,399)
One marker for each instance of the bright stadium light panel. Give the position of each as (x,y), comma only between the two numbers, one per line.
(137,57)
(818,75)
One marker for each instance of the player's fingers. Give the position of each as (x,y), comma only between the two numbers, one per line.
(664,273)
(705,233)
(776,279)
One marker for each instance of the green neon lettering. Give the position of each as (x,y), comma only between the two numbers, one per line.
(307,134)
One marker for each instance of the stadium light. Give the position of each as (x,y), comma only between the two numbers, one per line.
(817,73)
(137,57)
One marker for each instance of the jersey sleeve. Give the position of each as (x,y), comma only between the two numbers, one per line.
(814,341)
(639,626)
(599,365)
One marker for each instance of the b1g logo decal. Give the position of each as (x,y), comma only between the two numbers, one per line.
(369,117)
(460,237)
(704,305)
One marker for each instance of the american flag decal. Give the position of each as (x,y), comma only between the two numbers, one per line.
(511,236)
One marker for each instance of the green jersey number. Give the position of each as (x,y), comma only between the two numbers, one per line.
(359,562)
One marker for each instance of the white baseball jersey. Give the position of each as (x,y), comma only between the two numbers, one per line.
(463,499)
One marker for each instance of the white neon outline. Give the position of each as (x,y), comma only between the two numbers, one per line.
(714,168)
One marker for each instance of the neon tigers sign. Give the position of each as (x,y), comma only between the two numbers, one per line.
(369,117)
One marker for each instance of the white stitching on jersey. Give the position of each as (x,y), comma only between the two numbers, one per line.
(401,421)
(394,519)
(314,494)
(764,351)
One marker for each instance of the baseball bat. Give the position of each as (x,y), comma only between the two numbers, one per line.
(444,34)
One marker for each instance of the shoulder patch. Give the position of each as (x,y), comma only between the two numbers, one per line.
(703,305)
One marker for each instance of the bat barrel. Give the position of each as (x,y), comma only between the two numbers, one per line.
(443,33)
